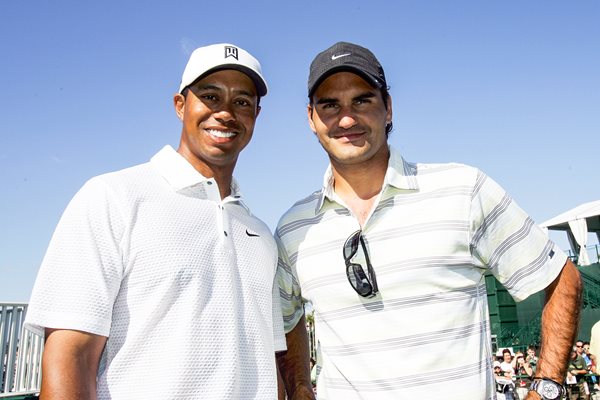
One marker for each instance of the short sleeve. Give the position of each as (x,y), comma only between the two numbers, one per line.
(278,331)
(506,241)
(81,273)
(292,306)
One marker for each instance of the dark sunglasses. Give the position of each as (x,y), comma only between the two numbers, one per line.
(365,284)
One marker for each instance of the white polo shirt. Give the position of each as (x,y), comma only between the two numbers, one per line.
(180,281)
(436,229)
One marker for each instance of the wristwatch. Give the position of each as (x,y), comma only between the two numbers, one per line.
(547,388)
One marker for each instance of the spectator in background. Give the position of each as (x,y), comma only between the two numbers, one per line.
(531,358)
(507,365)
(524,374)
(514,359)
(585,353)
(579,347)
(497,369)
(576,385)
(504,385)
(590,362)
(592,369)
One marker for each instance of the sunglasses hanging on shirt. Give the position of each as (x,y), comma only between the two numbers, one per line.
(364,283)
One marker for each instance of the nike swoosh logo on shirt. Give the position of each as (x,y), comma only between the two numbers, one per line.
(251,234)
(334,57)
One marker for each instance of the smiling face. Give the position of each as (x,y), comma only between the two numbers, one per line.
(349,117)
(218,114)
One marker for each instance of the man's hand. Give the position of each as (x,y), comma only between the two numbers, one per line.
(294,364)
(533,396)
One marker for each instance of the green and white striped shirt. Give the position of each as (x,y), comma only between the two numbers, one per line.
(435,230)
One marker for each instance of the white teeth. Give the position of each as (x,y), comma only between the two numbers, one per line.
(221,134)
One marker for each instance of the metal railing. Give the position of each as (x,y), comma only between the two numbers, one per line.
(20,351)
(593,253)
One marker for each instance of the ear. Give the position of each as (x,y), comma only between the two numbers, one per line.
(309,112)
(257,111)
(388,114)
(179,103)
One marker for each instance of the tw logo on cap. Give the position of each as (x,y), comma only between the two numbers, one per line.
(231,51)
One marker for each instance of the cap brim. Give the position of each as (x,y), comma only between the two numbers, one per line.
(259,83)
(348,68)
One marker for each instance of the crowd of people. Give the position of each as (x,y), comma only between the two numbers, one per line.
(514,373)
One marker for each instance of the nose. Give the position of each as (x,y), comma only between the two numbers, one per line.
(347,121)
(224,113)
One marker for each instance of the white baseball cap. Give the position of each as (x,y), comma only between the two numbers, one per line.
(216,57)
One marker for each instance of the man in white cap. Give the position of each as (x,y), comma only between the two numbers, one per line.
(158,282)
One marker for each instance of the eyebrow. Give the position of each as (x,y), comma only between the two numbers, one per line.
(329,100)
(220,89)
(208,87)
(326,100)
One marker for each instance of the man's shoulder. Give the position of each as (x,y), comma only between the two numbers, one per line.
(443,168)
(118,184)
(305,208)
(434,176)
(125,174)
(134,175)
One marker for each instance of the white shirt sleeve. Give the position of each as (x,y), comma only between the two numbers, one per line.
(82,270)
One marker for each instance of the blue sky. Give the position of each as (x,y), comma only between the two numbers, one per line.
(512,87)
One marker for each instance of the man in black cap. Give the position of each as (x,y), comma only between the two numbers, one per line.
(392,256)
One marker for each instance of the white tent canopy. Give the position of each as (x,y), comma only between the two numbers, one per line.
(577,223)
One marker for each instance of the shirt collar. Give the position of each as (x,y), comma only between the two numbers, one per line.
(180,174)
(399,174)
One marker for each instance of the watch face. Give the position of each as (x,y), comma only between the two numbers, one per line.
(549,390)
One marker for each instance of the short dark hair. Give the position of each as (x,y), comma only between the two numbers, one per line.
(385,95)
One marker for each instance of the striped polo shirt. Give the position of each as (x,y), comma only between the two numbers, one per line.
(434,232)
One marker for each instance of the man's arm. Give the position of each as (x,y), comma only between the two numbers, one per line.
(294,364)
(560,319)
(70,364)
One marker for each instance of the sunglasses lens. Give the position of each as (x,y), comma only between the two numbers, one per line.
(351,245)
(359,280)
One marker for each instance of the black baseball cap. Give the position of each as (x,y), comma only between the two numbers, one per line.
(344,56)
